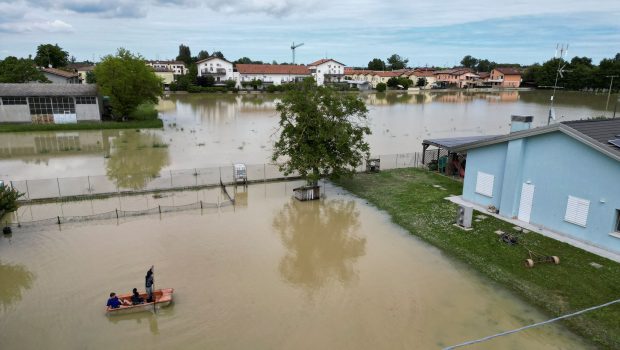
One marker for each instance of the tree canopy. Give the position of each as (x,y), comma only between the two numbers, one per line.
(321,132)
(20,70)
(8,199)
(185,55)
(247,60)
(218,54)
(54,55)
(376,64)
(128,81)
(202,55)
(396,62)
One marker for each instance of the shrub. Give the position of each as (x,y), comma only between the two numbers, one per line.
(381,87)
(145,111)
(8,199)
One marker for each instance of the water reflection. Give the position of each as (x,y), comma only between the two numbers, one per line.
(136,158)
(146,318)
(321,242)
(15,279)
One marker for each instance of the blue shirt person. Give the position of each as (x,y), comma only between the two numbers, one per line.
(114,302)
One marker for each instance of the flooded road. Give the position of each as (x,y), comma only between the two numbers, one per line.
(270,273)
(212,130)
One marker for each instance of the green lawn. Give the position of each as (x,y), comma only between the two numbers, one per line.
(134,124)
(409,197)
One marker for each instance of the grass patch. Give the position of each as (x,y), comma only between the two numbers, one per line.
(409,197)
(145,111)
(132,124)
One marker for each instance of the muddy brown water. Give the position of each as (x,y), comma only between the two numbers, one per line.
(212,130)
(269,273)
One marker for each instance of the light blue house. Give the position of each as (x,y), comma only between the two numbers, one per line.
(564,177)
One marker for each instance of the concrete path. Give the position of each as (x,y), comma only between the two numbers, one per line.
(543,231)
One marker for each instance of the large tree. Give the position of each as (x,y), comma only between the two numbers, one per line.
(376,64)
(396,62)
(321,132)
(128,81)
(185,55)
(54,55)
(20,70)
(469,62)
(202,55)
(218,54)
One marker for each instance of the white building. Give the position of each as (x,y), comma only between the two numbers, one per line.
(218,68)
(270,74)
(326,70)
(176,67)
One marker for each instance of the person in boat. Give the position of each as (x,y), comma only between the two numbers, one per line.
(114,302)
(148,283)
(136,298)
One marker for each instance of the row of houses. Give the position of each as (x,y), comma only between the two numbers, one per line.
(457,77)
(324,71)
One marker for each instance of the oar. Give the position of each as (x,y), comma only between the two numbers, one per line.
(153,287)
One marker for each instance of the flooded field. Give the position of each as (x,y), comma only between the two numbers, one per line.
(268,273)
(212,130)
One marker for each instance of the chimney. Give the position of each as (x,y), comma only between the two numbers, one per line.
(520,122)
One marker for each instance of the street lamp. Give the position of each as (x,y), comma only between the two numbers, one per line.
(609,93)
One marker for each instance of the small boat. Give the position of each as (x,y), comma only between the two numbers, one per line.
(163,297)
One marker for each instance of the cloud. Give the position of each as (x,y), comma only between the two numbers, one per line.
(29,26)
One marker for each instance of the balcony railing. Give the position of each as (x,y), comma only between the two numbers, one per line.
(213,71)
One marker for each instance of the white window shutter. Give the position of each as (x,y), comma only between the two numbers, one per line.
(484,184)
(577,211)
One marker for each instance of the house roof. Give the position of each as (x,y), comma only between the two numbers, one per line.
(59,72)
(289,69)
(36,89)
(212,58)
(423,73)
(594,133)
(453,142)
(484,75)
(165,62)
(387,74)
(454,71)
(86,68)
(357,71)
(508,71)
(321,61)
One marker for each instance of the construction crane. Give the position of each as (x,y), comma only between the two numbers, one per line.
(293,47)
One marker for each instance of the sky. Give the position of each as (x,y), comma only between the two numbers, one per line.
(353,32)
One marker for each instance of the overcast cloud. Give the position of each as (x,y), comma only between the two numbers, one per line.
(523,31)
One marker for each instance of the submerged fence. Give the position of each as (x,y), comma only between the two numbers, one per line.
(117,183)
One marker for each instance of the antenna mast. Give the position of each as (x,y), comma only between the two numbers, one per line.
(293,47)
(561,51)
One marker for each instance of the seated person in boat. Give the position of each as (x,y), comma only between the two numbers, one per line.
(114,302)
(135,297)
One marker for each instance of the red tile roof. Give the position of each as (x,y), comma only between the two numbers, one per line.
(165,62)
(424,73)
(508,71)
(351,71)
(321,61)
(387,74)
(484,75)
(59,72)
(289,69)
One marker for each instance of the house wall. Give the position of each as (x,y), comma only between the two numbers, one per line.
(558,166)
(212,65)
(55,79)
(167,77)
(90,112)
(14,113)
(329,67)
(276,79)
(490,160)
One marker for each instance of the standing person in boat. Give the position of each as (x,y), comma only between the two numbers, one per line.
(136,298)
(148,283)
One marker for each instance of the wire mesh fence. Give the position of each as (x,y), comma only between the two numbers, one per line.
(112,184)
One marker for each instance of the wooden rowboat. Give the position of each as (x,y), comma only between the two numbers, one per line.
(163,297)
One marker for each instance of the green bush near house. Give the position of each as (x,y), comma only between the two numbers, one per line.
(410,197)
(8,199)
(381,87)
(145,111)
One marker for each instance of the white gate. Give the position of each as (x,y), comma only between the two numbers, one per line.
(525,205)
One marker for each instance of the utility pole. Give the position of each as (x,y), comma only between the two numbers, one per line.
(563,51)
(609,93)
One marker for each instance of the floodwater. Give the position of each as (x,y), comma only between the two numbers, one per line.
(213,130)
(269,273)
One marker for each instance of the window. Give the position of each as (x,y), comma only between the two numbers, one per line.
(617,220)
(484,184)
(51,105)
(577,211)
(13,101)
(85,100)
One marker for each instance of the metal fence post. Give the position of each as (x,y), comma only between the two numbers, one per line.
(58,183)
(264,172)
(171,186)
(196,176)
(27,190)
(89,187)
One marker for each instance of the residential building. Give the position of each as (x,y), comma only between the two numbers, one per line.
(505,77)
(457,77)
(176,67)
(59,76)
(83,71)
(49,103)
(166,75)
(427,73)
(218,68)
(562,178)
(327,71)
(268,74)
